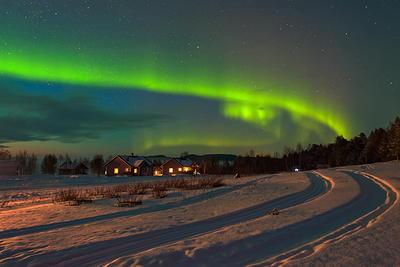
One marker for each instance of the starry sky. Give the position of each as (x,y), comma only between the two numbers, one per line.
(150,77)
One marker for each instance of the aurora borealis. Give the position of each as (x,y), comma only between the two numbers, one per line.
(201,76)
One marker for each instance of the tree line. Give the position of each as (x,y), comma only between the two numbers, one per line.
(382,144)
(50,163)
(27,163)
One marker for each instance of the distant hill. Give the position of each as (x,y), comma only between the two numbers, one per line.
(195,157)
(216,157)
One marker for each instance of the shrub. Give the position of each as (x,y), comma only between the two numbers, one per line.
(72,196)
(159,191)
(128,201)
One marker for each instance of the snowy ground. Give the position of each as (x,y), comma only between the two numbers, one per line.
(377,245)
(226,225)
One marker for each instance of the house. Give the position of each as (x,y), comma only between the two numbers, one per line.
(128,165)
(176,166)
(8,167)
(72,168)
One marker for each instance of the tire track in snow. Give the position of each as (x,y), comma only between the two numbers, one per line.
(300,239)
(105,251)
(365,221)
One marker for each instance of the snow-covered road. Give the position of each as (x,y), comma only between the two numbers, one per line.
(106,251)
(294,240)
(299,239)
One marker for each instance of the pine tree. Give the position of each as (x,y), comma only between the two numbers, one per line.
(49,164)
(96,164)
(394,139)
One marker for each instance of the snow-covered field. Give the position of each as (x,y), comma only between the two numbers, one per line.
(335,216)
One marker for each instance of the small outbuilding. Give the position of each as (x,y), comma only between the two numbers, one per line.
(72,168)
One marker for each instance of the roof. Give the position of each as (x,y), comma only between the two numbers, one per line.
(159,159)
(183,162)
(133,161)
(138,162)
(72,165)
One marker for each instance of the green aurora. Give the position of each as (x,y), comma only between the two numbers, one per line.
(110,77)
(145,72)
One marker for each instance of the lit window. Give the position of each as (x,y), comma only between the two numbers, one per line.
(180,169)
(116,170)
(171,170)
(156,172)
(134,170)
(126,169)
(186,169)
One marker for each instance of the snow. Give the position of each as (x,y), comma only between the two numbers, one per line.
(18,183)
(377,245)
(36,231)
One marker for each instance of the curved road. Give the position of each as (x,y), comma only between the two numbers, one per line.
(105,251)
(294,240)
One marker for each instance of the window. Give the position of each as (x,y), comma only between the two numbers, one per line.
(126,169)
(180,169)
(116,170)
(186,169)
(156,172)
(171,170)
(135,170)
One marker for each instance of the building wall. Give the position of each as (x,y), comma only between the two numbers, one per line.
(8,167)
(157,171)
(77,171)
(122,166)
(145,170)
(172,168)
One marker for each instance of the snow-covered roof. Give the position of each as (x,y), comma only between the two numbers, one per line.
(134,161)
(138,162)
(72,165)
(185,162)
(158,159)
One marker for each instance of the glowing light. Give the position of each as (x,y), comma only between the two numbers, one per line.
(141,72)
(116,170)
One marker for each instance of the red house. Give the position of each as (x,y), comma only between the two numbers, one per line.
(129,166)
(175,166)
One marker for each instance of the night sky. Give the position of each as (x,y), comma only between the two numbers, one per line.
(150,77)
